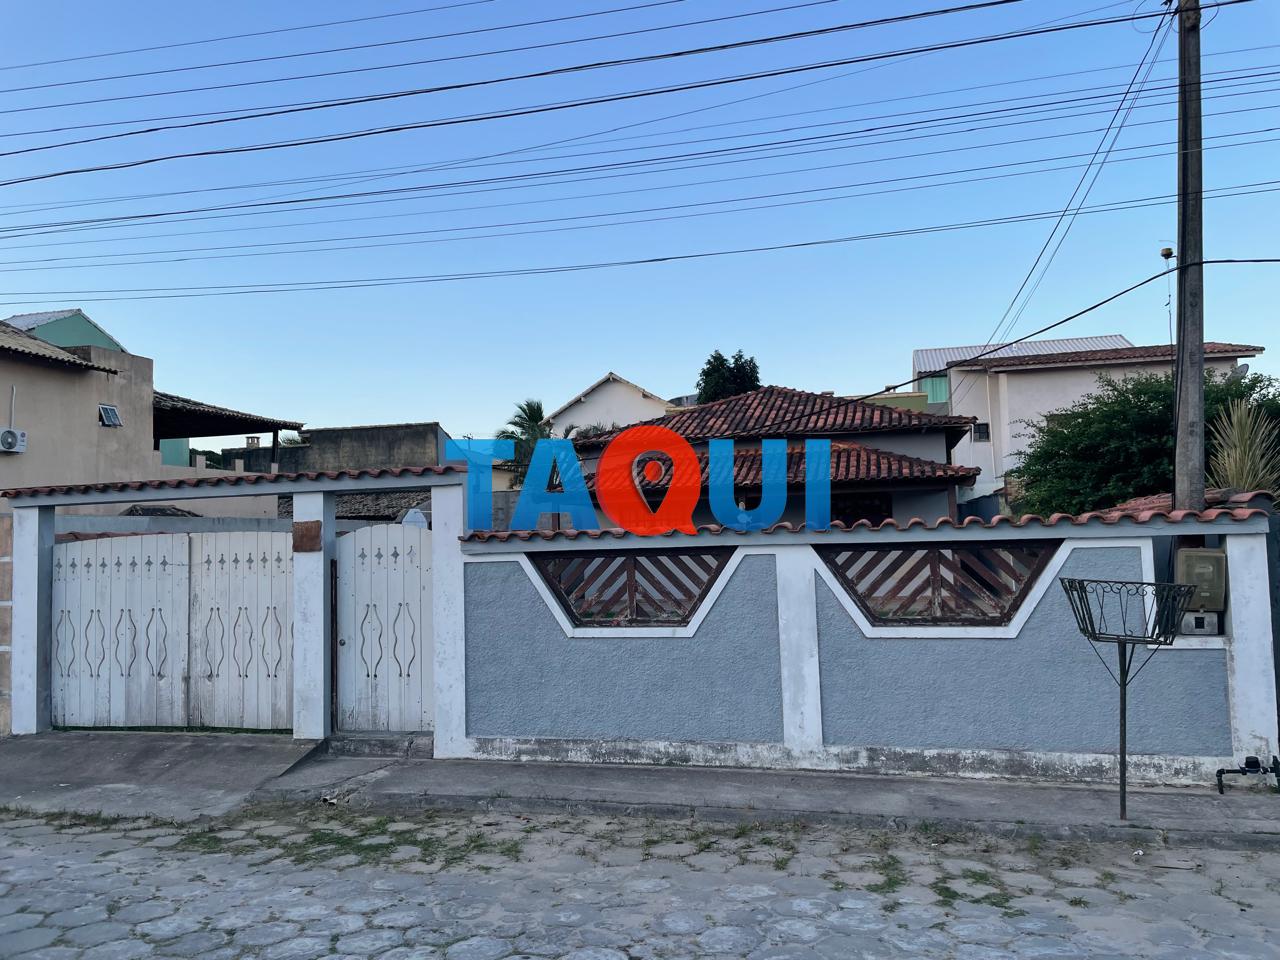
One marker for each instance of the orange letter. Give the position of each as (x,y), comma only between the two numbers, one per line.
(621,499)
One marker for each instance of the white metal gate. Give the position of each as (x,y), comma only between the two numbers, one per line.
(120,632)
(174,630)
(385,658)
(242,630)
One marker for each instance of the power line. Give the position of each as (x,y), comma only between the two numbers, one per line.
(606,176)
(347,49)
(415,168)
(242,36)
(214,113)
(611,193)
(300,286)
(46,263)
(453,58)
(822,31)
(849,401)
(742,153)
(1158,38)
(398,128)
(1170,84)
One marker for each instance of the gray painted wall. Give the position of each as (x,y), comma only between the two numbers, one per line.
(1043,691)
(525,678)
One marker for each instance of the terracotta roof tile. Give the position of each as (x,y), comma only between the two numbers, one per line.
(1162,503)
(1117,354)
(850,463)
(782,411)
(231,480)
(1055,520)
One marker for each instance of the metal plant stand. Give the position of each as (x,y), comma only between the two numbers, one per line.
(1130,614)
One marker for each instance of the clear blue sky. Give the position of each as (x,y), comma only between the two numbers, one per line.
(842,317)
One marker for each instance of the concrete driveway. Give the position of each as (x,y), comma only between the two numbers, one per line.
(174,776)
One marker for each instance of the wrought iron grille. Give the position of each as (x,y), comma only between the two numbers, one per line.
(978,584)
(638,588)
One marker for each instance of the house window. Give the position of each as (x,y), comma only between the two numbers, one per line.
(633,589)
(109,416)
(982,432)
(938,389)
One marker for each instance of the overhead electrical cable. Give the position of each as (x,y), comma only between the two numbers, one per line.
(254,250)
(849,401)
(297,286)
(742,151)
(242,36)
(379,131)
(1082,189)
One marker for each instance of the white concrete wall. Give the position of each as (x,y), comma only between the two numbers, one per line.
(1006,399)
(611,402)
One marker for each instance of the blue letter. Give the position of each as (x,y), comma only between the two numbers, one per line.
(536,499)
(773,485)
(817,484)
(479,455)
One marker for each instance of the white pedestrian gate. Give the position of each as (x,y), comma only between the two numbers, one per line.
(173,630)
(385,668)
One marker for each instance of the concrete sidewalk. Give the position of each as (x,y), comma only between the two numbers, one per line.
(1244,818)
(186,776)
(173,776)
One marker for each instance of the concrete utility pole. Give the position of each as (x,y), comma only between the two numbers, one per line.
(1188,471)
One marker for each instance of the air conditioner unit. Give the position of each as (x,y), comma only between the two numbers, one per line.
(13,441)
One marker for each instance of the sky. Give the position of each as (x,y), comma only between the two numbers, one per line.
(868,149)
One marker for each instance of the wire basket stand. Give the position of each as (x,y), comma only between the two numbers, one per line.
(1131,614)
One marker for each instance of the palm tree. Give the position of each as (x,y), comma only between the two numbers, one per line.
(526,427)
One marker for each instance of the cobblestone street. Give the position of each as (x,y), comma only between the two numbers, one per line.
(298,883)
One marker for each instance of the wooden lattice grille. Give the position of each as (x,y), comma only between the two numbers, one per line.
(947,584)
(640,588)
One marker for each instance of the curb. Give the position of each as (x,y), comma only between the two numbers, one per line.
(1144,835)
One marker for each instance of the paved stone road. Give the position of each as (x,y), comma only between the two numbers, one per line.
(295,884)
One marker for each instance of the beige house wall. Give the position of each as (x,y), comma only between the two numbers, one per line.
(57,406)
(1006,400)
(611,402)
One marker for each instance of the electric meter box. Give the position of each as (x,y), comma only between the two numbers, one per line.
(1205,568)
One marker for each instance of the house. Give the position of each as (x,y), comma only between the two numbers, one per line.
(89,413)
(1002,391)
(930,366)
(610,400)
(887,462)
(326,449)
(65,328)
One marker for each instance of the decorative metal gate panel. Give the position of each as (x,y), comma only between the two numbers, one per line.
(174,630)
(384,663)
(120,632)
(241,663)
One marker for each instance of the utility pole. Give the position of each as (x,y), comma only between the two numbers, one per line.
(1188,471)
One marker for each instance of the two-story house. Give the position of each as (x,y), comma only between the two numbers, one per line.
(1003,391)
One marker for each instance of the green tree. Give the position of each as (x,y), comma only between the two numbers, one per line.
(1117,443)
(526,427)
(727,377)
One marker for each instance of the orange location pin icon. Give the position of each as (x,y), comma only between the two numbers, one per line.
(621,499)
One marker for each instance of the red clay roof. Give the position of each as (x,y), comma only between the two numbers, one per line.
(1162,503)
(1115,355)
(782,411)
(230,480)
(1057,519)
(850,463)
